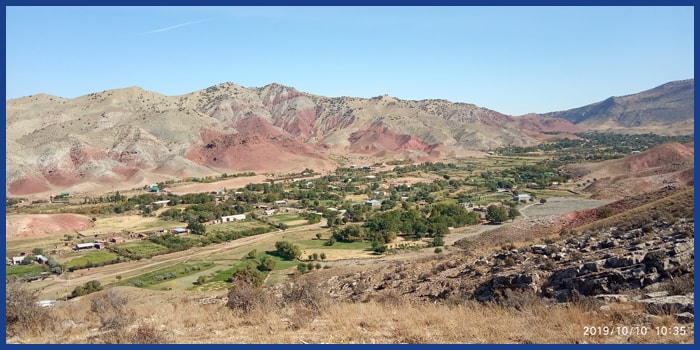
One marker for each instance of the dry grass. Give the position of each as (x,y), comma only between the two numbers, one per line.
(301,314)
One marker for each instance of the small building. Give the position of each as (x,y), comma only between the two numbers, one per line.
(84,246)
(153,189)
(179,230)
(373,203)
(521,197)
(161,203)
(230,218)
(42,259)
(115,239)
(370,177)
(17,260)
(269,212)
(281,202)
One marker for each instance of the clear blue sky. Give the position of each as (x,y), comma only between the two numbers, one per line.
(514,60)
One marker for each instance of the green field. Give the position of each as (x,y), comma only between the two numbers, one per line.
(237,226)
(143,248)
(23,270)
(179,270)
(93,258)
(288,218)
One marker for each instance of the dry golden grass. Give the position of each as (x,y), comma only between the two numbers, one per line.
(202,318)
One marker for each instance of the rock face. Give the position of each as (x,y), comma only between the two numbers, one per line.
(620,262)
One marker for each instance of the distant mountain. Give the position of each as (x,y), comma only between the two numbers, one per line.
(667,110)
(131,137)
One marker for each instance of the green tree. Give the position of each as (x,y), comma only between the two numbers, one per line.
(287,250)
(437,241)
(323,256)
(496,214)
(266,264)
(38,251)
(513,212)
(543,200)
(196,227)
(252,254)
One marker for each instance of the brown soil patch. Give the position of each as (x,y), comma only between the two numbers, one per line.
(36,225)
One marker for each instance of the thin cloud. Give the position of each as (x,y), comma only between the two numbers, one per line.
(175,26)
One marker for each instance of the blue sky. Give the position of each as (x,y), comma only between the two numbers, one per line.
(514,60)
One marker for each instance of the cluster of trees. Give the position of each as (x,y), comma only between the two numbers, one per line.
(385,226)
(287,250)
(87,288)
(596,146)
(498,214)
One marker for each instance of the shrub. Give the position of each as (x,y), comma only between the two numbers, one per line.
(22,314)
(113,311)
(438,250)
(244,296)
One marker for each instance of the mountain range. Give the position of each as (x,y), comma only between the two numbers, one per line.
(131,137)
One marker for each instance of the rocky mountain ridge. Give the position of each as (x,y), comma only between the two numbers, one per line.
(132,137)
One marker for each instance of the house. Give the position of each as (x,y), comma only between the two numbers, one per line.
(281,202)
(373,203)
(370,177)
(178,230)
(230,218)
(269,212)
(84,246)
(17,260)
(154,188)
(42,259)
(161,203)
(521,197)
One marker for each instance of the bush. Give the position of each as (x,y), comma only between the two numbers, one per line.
(22,314)
(244,296)
(248,275)
(438,250)
(113,311)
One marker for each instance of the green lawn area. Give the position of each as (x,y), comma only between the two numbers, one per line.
(95,258)
(23,270)
(320,244)
(150,279)
(143,248)
(238,226)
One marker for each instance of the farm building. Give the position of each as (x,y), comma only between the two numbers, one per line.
(154,188)
(17,260)
(83,246)
(373,203)
(282,202)
(161,203)
(521,197)
(42,259)
(269,212)
(178,230)
(230,218)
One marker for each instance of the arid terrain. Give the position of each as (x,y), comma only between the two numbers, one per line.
(269,215)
